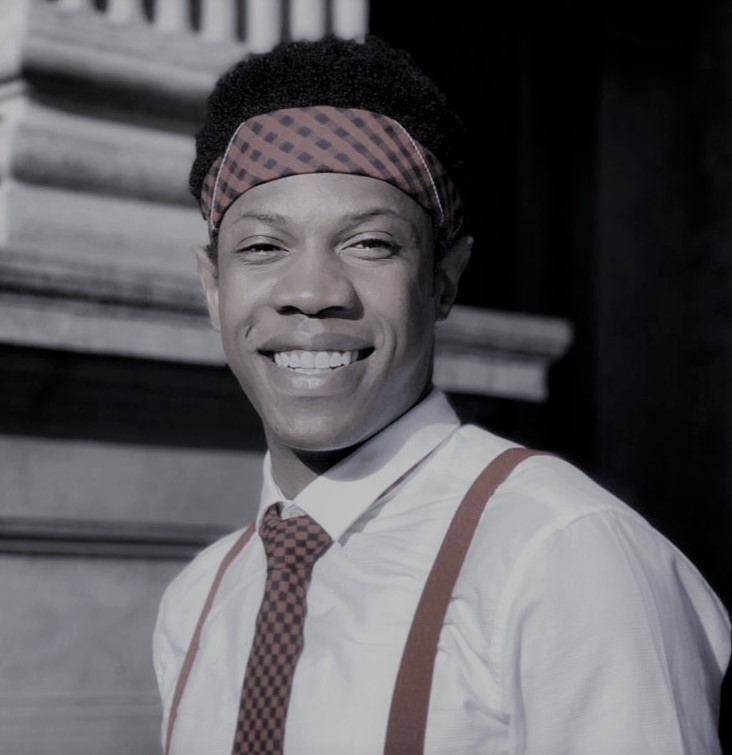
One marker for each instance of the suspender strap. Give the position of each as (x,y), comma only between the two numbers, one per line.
(196,638)
(405,734)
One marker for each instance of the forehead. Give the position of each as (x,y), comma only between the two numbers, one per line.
(329,198)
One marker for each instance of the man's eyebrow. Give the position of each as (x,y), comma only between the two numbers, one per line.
(352,218)
(373,213)
(264,217)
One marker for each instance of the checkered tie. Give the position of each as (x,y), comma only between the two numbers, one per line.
(292,546)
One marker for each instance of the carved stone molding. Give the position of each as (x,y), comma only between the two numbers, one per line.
(161,52)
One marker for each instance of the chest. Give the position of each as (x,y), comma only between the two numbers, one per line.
(367,595)
(360,610)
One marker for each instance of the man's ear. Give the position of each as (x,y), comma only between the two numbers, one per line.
(207,274)
(447,275)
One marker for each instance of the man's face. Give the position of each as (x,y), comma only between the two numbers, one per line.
(325,300)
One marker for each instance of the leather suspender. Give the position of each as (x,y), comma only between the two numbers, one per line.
(405,733)
(196,638)
(408,715)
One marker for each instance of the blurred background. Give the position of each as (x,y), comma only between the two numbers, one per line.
(593,321)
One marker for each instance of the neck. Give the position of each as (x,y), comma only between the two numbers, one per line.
(293,469)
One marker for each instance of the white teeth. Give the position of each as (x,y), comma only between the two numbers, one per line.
(314,360)
(322,360)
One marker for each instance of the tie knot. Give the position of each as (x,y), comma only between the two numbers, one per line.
(295,543)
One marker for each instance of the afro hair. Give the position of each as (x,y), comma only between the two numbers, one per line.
(369,74)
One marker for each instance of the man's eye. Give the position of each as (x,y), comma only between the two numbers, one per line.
(374,248)
(260,250)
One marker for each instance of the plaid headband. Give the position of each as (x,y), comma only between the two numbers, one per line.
(324,139)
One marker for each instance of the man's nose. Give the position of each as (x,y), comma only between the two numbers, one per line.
(315,283)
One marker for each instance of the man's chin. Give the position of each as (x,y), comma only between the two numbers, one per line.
(325,444)
(322,429)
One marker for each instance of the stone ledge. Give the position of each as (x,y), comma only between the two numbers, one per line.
(116,484)
(86,228)
(92,538)
(490,353)
(107,329)
(58,149)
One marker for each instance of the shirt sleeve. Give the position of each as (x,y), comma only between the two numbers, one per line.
(613,644)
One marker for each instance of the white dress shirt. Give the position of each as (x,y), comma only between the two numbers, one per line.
(575,628)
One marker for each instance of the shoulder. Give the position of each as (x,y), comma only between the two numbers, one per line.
(567,577)
(178,612)
(550,529)
(543,493)
(203,566)
(185,595)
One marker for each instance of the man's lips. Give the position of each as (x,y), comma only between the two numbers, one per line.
(315,353)
(302,341)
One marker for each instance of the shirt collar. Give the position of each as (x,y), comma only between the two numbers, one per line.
(338,497)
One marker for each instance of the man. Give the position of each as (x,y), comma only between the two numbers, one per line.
(556,621)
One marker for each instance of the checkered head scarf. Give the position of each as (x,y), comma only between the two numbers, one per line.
(324,139)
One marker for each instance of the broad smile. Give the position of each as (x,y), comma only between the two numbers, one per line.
(308,362)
